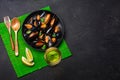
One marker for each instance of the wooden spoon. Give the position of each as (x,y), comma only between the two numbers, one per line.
(16,26)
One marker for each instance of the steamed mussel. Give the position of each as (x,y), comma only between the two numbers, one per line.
(43,30)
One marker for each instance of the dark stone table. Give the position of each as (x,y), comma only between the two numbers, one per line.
(92,31)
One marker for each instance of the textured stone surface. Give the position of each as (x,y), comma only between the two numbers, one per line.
(92,31)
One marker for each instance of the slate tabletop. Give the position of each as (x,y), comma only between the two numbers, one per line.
(92,32)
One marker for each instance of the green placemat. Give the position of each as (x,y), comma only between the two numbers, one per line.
(18,66)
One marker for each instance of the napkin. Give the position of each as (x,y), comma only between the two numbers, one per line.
(39,61)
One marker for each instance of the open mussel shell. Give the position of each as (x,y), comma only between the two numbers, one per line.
(43,26)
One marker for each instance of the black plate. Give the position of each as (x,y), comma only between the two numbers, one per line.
(44,37)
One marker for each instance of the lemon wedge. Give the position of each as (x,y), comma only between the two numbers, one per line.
(26,62)
(29,55)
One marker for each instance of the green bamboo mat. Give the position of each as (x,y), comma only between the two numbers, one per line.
(18,66)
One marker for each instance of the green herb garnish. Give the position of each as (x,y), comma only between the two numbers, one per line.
(40,33)
(44,47)
(42,19)
(53,35)
(28,32)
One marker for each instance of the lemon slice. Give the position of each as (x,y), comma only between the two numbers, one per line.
(52,56)
(26,62)
(29,55)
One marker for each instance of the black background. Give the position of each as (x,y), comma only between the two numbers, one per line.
(92,31)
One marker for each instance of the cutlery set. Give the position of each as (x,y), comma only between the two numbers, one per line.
(15,24)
